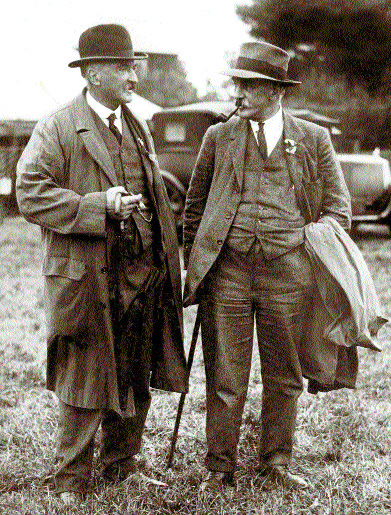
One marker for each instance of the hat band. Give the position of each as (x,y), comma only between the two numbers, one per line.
(262,67)
(108,56)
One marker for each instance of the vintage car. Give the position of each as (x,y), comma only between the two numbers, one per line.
(178,135)
(14,135)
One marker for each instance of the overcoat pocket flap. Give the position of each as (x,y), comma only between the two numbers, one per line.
(64,267)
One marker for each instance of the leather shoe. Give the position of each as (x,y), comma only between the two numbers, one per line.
(281,474)
(120,471)
(217,481)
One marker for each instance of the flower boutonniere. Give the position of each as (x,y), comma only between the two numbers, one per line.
(290,146)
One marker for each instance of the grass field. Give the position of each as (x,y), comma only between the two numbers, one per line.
(343,439)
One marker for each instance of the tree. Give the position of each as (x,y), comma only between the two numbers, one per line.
(165,83)
(349,38)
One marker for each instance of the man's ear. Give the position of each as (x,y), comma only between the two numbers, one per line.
(277,91)
(93,75)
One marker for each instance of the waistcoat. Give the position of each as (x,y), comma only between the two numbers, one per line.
(268,214)
(130,174)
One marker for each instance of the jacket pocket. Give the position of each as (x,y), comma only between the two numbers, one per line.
(64,267)
(69,302)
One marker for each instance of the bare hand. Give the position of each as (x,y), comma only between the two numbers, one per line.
(127,204)
(120,204)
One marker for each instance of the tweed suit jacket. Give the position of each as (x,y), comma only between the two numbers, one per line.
(215,188)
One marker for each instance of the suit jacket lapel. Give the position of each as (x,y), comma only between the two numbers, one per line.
(238,145)
(293,136)
(294,151)
(95,146)
(292,131)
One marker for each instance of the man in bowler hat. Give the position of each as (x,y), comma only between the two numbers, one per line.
(89,177)
(258,180)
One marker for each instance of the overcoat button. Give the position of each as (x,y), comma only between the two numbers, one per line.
(219,242)
(104,270)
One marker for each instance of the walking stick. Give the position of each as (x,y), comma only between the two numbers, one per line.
(194,338)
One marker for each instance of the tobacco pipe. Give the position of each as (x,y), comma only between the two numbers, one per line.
(224,117)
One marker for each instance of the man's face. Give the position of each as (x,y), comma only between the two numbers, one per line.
(117,82)
(259,98)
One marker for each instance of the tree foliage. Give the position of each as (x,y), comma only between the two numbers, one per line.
(352,38)
(167,86)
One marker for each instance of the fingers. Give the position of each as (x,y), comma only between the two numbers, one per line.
(112,192)
(129,203)
(120,204)
(132,200)
(117,203)
(111,196)
(124,204)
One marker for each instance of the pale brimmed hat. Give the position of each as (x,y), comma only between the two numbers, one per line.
(106,42)
(261,60)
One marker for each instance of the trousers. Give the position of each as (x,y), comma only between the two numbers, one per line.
(120,441)
(121,436)
(242,288)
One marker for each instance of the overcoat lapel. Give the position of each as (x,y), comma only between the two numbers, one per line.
(143,141)
(93,142)
(152,167)
(145,145)
(161,200)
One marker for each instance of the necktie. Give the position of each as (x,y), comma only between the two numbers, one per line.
(262,141)
(114,128)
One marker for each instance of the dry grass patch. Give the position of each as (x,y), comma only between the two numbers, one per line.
(343,438)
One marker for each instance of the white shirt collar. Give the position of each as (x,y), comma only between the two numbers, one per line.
(275,122)
(275,119)
(273,128)
(104,112)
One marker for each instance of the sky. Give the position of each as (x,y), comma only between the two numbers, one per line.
(39,37)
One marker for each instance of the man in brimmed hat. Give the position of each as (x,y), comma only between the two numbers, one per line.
(258,180)
(89,177)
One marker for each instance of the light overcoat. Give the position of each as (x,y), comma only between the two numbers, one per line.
(62,178)
(215,188)
(345,314)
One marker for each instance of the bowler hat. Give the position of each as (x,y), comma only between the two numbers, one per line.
(261,60)
(105,42)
